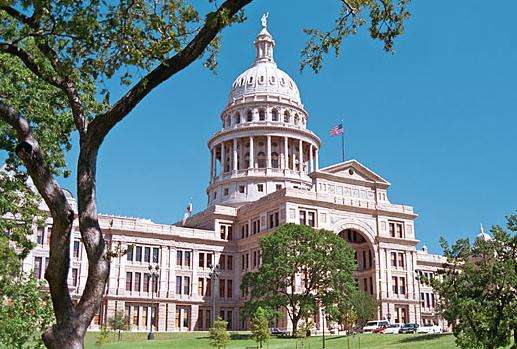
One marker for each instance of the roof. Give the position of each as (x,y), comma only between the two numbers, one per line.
(354,170)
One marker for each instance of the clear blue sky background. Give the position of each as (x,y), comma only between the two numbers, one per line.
(437,119)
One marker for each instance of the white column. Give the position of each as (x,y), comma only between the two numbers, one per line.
(300,161)
(235,154)
(223,158)
(211,164)
(311,158)
(268,151)
(317,160)
(252,155)
(286,153)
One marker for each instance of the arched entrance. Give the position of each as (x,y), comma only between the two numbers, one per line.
(364,257)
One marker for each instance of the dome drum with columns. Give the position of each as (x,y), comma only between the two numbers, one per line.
(264,144)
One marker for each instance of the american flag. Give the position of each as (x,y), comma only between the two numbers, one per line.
(336,130)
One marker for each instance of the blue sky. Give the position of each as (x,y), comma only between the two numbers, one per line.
(437,118)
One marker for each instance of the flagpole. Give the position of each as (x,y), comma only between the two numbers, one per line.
(343,140)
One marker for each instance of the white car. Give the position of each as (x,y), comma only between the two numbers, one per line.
(392,329)
(373,325)
(429,329)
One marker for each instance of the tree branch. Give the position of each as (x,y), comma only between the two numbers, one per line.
(102,124)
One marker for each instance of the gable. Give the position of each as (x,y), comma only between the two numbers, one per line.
(354,170)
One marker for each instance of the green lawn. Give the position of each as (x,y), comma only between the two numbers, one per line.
(199,340)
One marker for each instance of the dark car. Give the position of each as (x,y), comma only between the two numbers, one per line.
(277,332)
(408,328)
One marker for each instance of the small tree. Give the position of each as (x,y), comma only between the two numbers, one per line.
(478,288)
(25,313)
(260,327)
(219,336)
(103,337)
(119,322)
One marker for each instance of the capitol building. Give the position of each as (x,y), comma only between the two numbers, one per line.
(264,172)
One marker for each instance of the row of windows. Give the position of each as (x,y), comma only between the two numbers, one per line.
(236,119)
(345,191)
(39,271)
(135,283)
(428,300)
(134,253)
(398,259)
(141,315)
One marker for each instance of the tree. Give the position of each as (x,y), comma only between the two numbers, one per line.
(25,312)
(322,260)
(356,310)
(56,57)
(103,337)
(478,288)
(260,327)
(119,322)
(219,336)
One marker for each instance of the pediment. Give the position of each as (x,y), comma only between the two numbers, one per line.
(354,170)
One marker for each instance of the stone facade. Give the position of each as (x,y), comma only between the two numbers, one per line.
(264,171)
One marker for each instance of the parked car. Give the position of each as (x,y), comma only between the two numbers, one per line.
(408,328)
(392,329)
(274,331)
(429,329)
(379,329)
(372,325)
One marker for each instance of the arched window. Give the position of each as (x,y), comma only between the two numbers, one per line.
(274,160)
(249,116)
(228,121)
(237,118)
(286,117)
(296,119)
(261,159)
(246,161)
(262,115)
(274,115)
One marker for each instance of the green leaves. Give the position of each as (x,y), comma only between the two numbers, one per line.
(260,326)
(219,336)
(386,22)
(478,288)
(25,312)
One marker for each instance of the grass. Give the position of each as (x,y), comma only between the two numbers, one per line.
(199,340)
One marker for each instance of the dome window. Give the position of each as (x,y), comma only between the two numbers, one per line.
(272,80)
(262,115)
(286,117)
(260,144)
(237,118)
(242,81)
(261,80)
(274,115)
(296,119)
(261,159)
(291,85)
(250,81)
(282,81)
(249,116)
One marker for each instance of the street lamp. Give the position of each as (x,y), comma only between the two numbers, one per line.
(154,279)
(216,271)
(388,317)
(323,314)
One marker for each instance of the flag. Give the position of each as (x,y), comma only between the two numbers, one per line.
(336,130)
(188,212)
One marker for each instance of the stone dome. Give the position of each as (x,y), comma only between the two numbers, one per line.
(264,77)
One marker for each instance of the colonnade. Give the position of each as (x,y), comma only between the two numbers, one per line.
(263,152)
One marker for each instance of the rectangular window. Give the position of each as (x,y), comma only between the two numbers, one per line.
(145,314)
(147,254)
(136,312)
(129,281)
(391,228)
(229,289)
(201,286)
(222,288)
(229,236)
(303,217)
(76,249)
(129,255)
(222,262)
(156,254)
(393,259)
(307,218)
(147,278)
(186,285)
(255,225)
(37,267)
(400,230)
(401,260)
(138,277)
(75,272)
(127,314)
(208,291)
(242,189)
(260,188)
(395,284)
(229,263)
(138,253)
(201,260)
(40,235)
(179,258)
(178,284)
(222,232)
(273,219)
(402,283)
(187,258)
(209,260)
(155,284)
